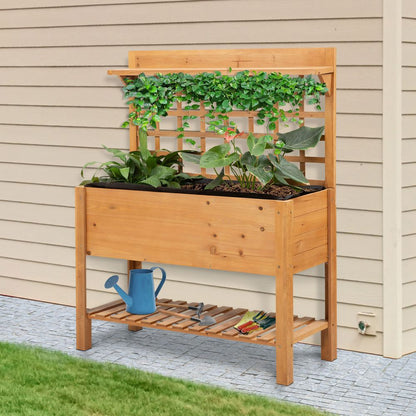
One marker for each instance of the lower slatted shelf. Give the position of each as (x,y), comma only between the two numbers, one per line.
(225,319)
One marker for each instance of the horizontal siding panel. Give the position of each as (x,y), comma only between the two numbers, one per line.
(51,155)
(409,222)
(364,174)
(351,340)
(409,318)
(370,294)
(171,12)
(47,292)
(359,222)
(409,270)
(40,214)
(409,341)
(359,102)
(409,150)
(24,4)
(44,175)
(409,198)
(408,60)
(37,233)
(408,8)
(357,125)
(198,33)
(409,102)
(360,246)
(409,246)
(357,197)
(409,295)
(63,96)
(60,116)
(348,53)
(64,136)
(409,78)
(360,269)
(36,194)
(408,30)
(409,174)
(359,149)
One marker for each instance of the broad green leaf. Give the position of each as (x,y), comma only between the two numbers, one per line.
(117,153)
(291,171)
(302,138)
(153,181)
(257,145)
(191,157)
(263,173)
(162,172)
(218,156)
(125,173)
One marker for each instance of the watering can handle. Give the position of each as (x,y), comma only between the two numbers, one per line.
(161,282)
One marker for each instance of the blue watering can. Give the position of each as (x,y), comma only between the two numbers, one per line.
(141,299)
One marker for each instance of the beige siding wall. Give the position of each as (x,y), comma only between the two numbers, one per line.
(57,106)
(409,176)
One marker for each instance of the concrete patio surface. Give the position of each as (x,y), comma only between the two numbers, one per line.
(355,384)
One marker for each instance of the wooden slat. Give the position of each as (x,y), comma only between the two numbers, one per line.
(225,319)
(310,70)
(218,314)
(309,330)
(310,258)
(110,311)
(187,323)
(310,240)
(311,202)
(225,325)
(297,323)
(311,221)
(105,306)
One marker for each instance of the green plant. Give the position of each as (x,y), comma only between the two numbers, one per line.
(153,96)
(264,162)
(141,167)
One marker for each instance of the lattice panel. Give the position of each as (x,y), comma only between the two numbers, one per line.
(161,137)
(318,164)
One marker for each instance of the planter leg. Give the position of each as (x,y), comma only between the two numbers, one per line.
(329,336)
(284,295)
(83,323)
(133,264)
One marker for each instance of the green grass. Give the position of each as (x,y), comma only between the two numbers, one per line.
(36,382)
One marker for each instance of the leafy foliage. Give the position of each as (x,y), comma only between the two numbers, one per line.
(153,96)
(257,166)
(141,166)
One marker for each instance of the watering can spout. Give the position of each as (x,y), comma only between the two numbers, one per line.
(112,282)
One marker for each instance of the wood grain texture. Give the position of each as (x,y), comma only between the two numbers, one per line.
(284,292)
(83,323)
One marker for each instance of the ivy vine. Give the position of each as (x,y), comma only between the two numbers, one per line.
(265,93)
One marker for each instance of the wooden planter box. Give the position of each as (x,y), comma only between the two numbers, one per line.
(267,237)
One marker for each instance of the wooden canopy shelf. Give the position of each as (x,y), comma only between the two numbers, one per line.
(268,237)
(317,70)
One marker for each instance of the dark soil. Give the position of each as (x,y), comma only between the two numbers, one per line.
(278,191)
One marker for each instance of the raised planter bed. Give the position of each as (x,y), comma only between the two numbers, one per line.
(262,236)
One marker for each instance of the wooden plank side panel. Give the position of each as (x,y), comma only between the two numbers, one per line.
(213,234)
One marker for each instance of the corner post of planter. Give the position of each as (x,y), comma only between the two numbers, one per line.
(133,264)
(329,335)
(284,292)
(83,323)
